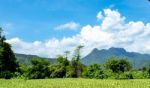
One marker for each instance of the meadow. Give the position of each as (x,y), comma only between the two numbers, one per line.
(74,83)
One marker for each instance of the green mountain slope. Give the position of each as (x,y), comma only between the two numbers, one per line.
(26,59)
(100,57)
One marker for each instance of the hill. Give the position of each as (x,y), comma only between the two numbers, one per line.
(100,57)
(26,59)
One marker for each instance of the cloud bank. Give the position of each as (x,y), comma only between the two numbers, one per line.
(113,31)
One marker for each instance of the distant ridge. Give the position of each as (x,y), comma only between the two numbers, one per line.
(97,56)
(26,59)
(100,56)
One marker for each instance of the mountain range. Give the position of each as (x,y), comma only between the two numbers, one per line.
(100,56)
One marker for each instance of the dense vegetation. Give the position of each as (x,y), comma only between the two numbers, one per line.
(8,64)
(40,68)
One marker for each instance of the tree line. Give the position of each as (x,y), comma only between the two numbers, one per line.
(113,68)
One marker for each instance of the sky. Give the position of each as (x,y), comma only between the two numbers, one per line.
(49,27)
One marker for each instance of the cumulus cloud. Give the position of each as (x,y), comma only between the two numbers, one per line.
(99,15)
(68,26)
(113,31)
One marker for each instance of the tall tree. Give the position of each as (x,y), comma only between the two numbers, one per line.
(76,65)
(66,54)
(77,55)
(7,57)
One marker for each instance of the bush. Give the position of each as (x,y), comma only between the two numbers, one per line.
(140,74)
(59,73)
(6,75)
(125,75)
(39,69)
(129,76)
(94,71)
(99,75)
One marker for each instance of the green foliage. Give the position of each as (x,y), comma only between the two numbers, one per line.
(39,69)
(145,71)
(76,66)
(8,62)
(118,65)
(129,75)
(62,61)
(139,75)
(94,71)
(148,71)
(125,75)
(6,74)
(60,69)
(60,72)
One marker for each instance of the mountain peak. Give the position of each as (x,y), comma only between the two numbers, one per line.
(117,49)
(101,56)
(95,50)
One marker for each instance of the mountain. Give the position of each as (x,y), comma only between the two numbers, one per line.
(100,56)
(26,59)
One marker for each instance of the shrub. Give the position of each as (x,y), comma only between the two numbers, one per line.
(6,75)
(39,69)
(140,74)
(129,76)
(94,71)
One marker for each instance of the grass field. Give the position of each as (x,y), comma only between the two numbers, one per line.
(74,83)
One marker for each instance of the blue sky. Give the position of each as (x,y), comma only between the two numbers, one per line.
(50,27)
(36,19)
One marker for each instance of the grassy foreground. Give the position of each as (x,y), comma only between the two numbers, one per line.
(74,83)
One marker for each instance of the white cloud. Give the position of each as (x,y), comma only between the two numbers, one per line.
(112,20)
(99,15)
(112,32)
(68,26)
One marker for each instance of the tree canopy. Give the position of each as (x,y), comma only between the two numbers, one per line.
(8,61)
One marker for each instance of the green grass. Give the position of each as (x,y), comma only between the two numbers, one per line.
(74,83)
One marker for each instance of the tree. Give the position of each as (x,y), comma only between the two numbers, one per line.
(94,71)
(66,54)
(39,69)
(112,64)
(148,71)
(2,37)
(76,65)
(7,58)
(60,69)
(77,55)
(62,61)
(120,65)
(124,65)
